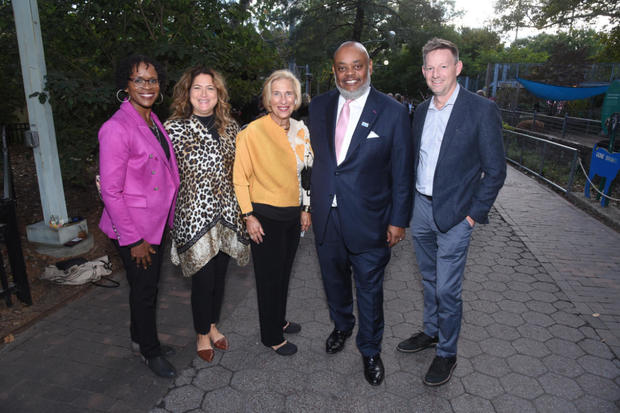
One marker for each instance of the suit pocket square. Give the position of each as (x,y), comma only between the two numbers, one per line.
(372,135)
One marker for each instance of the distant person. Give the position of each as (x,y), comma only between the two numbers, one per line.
(459,170)
(362,186)
(139,183)
(271,153)
(208,229)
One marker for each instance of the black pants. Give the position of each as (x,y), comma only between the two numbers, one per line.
(208,292)
(143,299)
(273,261)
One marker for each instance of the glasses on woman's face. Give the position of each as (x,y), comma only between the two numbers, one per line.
(140,82)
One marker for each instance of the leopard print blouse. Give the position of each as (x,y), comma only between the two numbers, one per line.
(207,216)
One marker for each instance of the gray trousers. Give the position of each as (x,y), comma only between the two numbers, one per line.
(441,258)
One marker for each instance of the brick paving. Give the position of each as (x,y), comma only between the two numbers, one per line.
(529,342)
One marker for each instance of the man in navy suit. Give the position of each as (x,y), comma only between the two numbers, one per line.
(459,170)
(362,189)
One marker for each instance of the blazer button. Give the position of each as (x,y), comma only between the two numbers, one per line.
(156,188)
(150,156)
(152,172)
(336,173)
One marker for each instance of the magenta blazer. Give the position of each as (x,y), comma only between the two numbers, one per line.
(138,184)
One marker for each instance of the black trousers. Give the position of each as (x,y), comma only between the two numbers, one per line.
(208,292)
(273,261)
(143,299)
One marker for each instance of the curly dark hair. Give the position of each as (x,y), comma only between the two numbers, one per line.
(126,66)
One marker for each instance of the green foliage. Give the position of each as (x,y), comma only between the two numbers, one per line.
(569,56)
(83,40)
(10,70)
(611,46)
(567,12)
(246,40)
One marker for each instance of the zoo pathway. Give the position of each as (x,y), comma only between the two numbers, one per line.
(541,333)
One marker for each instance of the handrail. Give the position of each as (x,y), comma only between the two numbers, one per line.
(545,143)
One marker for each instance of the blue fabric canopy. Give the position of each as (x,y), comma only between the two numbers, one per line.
(551,92)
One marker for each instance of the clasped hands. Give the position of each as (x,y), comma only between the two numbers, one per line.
(141,253)
(256,232)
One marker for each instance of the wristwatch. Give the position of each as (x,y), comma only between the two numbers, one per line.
(247,215)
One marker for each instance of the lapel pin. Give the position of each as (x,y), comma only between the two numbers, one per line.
(365,124)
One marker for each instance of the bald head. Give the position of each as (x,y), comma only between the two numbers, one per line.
(352,69)
(353,44)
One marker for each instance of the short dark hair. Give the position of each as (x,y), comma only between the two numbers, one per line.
(435,44)
(127,65)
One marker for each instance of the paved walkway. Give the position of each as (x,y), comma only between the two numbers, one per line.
(530,343)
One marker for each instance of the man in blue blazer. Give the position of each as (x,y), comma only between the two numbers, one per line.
(459,170)
(362,189)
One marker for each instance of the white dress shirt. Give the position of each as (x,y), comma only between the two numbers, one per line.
(356,107)
(355,112)
(430,144)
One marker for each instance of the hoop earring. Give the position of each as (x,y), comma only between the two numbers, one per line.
(121,99)
(160,100)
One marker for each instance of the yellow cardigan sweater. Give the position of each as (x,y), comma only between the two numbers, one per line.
(265,169)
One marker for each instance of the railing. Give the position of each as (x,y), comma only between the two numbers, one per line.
(561,126)
(552,162)
(15,132)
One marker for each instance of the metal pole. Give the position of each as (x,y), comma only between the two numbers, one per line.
(542,158)
(571,175)
(564,125)
(495,75)
(7,167)
(308,79)
(32,58)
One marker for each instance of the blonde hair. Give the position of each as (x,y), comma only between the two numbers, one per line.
(277,75)
(181,107)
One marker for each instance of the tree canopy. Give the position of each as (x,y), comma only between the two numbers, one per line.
(246,40)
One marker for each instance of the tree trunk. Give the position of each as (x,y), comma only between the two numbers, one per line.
(358,24)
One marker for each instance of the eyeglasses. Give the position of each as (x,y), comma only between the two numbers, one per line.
(144,82)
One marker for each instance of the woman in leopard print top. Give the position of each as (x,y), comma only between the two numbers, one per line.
(208,228)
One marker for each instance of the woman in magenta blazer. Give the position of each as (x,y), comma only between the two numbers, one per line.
(139,182)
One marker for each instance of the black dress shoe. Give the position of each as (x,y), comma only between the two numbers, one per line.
(161,367)
(440,371)
(373,369)
(335,341)
(417,342)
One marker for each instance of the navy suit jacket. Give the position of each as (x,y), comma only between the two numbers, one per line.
(471,167)
(374,183)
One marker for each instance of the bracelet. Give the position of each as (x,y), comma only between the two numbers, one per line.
(247,215)
(306,208)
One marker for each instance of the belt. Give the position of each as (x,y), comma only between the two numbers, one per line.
(430,198)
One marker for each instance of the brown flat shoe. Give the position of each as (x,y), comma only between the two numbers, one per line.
(221,344)
(206,355)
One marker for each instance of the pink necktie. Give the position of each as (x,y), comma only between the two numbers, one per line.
(341,126)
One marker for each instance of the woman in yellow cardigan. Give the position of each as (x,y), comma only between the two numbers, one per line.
(271,152)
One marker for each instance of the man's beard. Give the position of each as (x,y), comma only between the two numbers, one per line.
(348,95)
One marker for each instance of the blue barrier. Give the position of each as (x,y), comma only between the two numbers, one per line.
(606,165)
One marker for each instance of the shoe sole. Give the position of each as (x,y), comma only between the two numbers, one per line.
(416,350)
(441,382)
